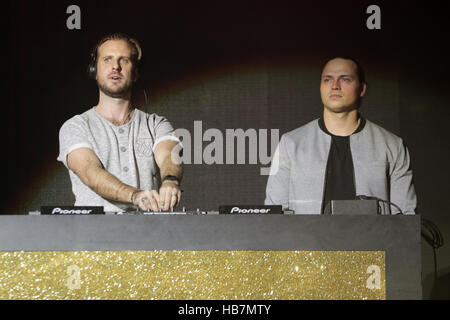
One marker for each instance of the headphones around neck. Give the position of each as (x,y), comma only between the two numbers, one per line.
(92,67)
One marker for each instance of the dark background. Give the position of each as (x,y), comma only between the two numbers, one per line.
(249,64)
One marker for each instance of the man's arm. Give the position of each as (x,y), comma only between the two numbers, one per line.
(86,165)
(166,158)
(277,189)
(402,187)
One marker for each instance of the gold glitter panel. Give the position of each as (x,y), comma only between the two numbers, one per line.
(229,275)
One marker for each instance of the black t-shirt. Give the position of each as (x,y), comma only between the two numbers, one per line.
(340,175)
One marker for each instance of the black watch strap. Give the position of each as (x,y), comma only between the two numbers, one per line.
(171,178)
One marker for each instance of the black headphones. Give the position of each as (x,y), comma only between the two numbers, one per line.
(92,67)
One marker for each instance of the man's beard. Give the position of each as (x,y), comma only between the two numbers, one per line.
(123,92)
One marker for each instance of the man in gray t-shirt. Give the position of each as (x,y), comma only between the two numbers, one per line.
(118,156)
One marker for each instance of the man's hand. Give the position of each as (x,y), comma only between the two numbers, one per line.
(169,195)
(146,200)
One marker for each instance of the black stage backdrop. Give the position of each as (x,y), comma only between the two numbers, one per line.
(252,65)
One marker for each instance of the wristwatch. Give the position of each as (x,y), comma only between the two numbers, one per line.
(171,178)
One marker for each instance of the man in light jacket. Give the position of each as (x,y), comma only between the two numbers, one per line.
(341,155)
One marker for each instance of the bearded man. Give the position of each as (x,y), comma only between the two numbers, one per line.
(118,156)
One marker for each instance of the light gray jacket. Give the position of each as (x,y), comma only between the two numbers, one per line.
(381,166)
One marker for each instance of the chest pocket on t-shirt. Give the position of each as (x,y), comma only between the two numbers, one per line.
(144,147)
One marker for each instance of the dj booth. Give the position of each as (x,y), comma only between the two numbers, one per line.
(204,255)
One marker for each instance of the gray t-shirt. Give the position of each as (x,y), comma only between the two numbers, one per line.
(125,151)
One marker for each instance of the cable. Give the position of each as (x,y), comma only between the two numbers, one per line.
(431,233)
(363,197)
(391,204)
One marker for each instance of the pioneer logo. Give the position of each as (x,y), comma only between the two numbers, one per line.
(62,211)
(71,210)
(249,209)
(239,210)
